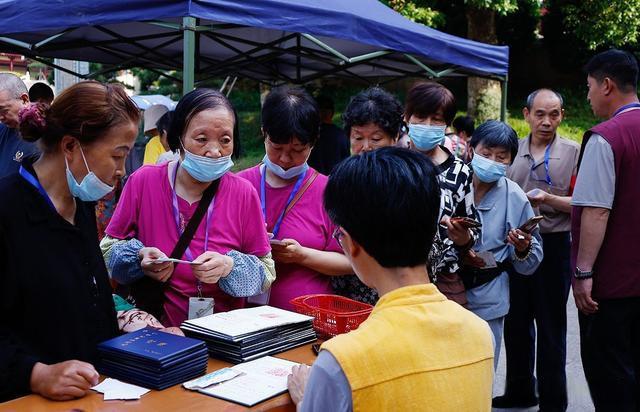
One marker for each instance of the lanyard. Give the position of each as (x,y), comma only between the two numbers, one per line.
(35,183)
(176,215)
(626,107)
(263,199)
(547,153)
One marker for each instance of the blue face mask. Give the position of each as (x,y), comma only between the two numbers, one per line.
(426,137)
(91,188)
(288,174)
(205,169)
(487,170)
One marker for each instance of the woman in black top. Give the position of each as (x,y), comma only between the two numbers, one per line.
(55,298)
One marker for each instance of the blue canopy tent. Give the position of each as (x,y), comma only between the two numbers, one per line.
(275,41)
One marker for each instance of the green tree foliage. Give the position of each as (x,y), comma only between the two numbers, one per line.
(420,11)
(601,23)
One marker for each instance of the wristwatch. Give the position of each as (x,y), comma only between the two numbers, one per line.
(583,274)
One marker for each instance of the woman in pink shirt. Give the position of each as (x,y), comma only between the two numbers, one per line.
(229,252)
(291,196)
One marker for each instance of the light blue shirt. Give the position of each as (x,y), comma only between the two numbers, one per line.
(503,207)
(327,388)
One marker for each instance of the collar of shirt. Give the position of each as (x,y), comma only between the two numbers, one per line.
(553,152)
(491,197)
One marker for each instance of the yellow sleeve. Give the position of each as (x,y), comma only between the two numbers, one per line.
(152,151)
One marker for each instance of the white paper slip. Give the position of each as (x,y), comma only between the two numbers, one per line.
(263,379)
(212,378)
(488,258)
(243,321)
(114,389)
(172,260)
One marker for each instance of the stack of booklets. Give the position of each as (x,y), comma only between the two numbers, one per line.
(153,359)
(245,334)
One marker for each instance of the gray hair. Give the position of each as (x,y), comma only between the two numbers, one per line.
(533,95)
(12,83)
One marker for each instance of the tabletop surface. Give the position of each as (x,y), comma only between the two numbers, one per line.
(171,399)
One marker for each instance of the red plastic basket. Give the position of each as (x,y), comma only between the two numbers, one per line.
(332,314)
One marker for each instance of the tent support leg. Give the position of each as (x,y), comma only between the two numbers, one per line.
(503,100)
(189,51)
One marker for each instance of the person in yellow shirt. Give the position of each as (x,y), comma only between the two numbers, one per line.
(417,351)
(154,147)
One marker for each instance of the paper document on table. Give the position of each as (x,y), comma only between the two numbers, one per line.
(114,389)
(263,379)
(243,321)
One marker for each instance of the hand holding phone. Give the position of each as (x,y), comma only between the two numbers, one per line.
(531,224)
(466,222)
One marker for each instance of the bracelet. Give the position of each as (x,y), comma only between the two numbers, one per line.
(525,257)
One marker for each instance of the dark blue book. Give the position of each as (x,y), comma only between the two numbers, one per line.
(151,345)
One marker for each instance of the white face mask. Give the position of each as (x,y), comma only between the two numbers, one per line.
(205,169)
(288,174)
(91,188)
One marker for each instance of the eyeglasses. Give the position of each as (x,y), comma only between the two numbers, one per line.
(338,234)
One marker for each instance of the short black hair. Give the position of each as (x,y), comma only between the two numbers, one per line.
(494,133)
(388,200)
(532,97)
(426,98)
(191,104)
(464,124)
(290,112)
(618,65)
(374,105)
(40,91)
(164,122)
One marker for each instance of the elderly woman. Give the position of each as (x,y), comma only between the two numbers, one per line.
(55,297)
(503,207)
(373,119)
(429,109)
(291,197)
(196,211)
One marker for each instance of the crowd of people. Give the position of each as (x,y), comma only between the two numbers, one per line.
(459,234)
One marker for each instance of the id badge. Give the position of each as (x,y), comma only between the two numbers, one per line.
(199,307)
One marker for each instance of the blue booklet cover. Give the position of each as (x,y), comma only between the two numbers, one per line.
(152,345)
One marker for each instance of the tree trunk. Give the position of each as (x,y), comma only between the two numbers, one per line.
(481,27)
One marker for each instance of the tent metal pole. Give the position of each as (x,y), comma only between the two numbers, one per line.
(503,100)
(233,83)
(422,65)
(14,42)
(189,52)
(325,46)
(50,39)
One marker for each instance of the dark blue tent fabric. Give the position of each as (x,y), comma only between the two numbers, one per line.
(366,22)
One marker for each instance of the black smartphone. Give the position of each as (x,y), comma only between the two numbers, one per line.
(531,224)
(466,222)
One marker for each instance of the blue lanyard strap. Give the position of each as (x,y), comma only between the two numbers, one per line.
(547,154)
(263,199)
(35,183)
(176,215)
(626,107)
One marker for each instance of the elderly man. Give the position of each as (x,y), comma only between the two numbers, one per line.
(545,168)
(605,229)
(13,97)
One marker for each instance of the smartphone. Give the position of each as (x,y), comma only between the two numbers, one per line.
(277,242)
(531,224)
(466,222)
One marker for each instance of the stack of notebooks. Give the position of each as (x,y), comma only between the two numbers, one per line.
(152,359)
(246,334)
